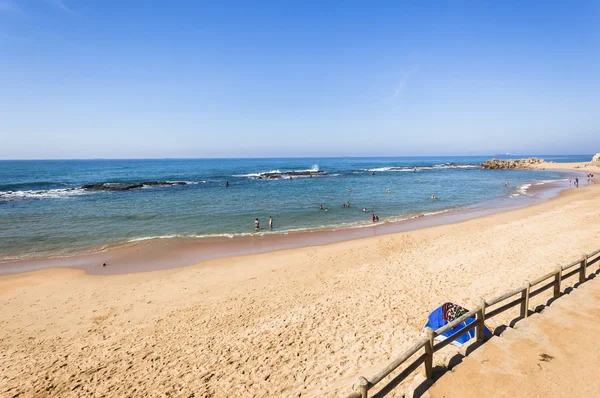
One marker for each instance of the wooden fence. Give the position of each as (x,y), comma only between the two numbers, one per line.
(482,312)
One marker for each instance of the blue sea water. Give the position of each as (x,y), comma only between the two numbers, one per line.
(44,211)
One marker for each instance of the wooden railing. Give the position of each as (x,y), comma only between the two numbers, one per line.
(481,313)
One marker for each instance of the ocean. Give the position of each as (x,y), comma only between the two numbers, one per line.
(45,212)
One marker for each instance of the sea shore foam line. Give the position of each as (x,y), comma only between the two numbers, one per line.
(320,228)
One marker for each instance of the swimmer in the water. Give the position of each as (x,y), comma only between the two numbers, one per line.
(321,207)
(388,191)
(433,197)
(349,190)
(256,225)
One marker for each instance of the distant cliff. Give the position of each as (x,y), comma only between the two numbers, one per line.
(511,163)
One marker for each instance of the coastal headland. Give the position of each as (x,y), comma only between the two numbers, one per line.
(303,321)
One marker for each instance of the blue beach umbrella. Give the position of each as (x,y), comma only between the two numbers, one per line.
(445,314)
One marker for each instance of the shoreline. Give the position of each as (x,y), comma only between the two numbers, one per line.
(299,322)
(156,253)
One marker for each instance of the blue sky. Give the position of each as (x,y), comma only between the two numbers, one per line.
(84,79)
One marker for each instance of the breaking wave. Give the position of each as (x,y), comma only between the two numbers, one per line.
(418,168)
(43,194)
(284,175)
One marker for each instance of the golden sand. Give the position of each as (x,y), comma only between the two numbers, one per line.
(298,322)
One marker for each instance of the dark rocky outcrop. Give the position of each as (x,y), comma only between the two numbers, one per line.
(292,174)
(507,164)
(127,187)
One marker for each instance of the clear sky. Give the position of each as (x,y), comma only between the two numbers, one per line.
(84,79)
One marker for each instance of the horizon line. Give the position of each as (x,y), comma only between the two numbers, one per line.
(292,157)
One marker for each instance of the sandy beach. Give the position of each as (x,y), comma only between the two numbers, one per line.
(296,322)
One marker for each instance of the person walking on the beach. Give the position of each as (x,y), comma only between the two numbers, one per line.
(577,182)
(270,223)
(256,225)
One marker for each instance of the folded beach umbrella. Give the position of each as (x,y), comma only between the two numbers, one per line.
(445,314)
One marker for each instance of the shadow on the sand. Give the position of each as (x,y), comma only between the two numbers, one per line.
(439,371)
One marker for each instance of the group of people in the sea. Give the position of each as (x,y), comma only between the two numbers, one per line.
(257,224)
(346,205)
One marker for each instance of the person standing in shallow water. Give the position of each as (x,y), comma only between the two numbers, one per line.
(256,225)
(270,223)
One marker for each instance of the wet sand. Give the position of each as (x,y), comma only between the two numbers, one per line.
(157,254)
(296,322)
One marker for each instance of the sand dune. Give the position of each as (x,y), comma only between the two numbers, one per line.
(299,322)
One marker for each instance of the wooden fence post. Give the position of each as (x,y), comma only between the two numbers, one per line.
(480,330)
(557,282)
(362,385)
(525,303)
(582,268)
(429,352)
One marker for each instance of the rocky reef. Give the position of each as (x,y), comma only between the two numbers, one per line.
(507,164)
(126,187)
(273,175)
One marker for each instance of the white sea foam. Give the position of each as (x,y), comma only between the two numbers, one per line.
(143,238)
(43,194)
(283,175)
(522,189)
(433,213)
(188,182)
(418,168)
(260,174)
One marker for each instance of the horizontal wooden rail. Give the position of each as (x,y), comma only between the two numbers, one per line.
(543,278)
(449,340)
(480,313)
(570,265)
(398,361)
(504,297)
(456,322)
(542,289)
(504,308)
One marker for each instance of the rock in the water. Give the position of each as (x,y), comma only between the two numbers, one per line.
(506,164)
(272,175)
(126,187)
(596,159)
